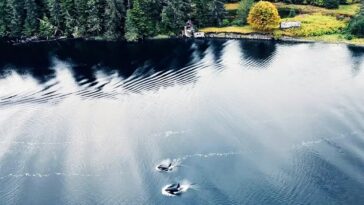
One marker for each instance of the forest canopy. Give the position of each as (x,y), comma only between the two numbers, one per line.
(110,19)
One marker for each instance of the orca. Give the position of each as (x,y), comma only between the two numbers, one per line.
(174,189)
(165,167)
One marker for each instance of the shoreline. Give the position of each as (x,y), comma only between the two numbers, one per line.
(259,36)
(221,35)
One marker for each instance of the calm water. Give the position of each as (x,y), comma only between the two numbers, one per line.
(248,122)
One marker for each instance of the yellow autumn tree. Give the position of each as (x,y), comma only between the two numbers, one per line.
(264,16)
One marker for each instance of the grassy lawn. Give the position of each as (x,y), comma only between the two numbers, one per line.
(317,23)
(337,38)
(231,6)
(230,29)
(346,10)
(314,25)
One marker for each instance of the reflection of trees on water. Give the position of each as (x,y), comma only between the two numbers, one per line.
(217,47)
(357,58)
(200,46)
(94,65)
(85,58)
(258,53)
(26,59)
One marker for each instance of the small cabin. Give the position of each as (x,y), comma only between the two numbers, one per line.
(188,30)
(290,24)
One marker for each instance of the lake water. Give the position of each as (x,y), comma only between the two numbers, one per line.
(247,122)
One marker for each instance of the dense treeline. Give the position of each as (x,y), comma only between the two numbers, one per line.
(132,19)
(356,25)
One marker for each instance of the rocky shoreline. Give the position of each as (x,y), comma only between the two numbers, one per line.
(256,36)
(260,36)
(251,36)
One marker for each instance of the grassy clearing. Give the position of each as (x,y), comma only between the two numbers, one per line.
(318,24)
(337,38)
(230,29)
(314,25)
(346,10)
(231,6)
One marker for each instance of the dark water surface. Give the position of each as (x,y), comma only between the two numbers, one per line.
(248,122)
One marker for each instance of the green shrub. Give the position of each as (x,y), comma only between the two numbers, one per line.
(287,12)
(331,4)
(264,16)
(316,2)
(356,26)
(243,11)
(295,1)
(292,13)
(298,1)
(231,13)
(46,29)
(225,22)
(348,37)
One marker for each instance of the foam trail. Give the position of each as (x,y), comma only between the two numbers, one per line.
(42,175)
(310,143)
(207,155)
(169,133)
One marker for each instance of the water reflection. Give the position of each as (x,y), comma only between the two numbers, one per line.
(258,53)
(109,69)
(357,54)
(87,122)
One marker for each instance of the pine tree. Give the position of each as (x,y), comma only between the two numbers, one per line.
(202,17)
(81,17)
(115,14)
(131,31)
(137,24)
(94,17)
(69,16)
(243,11)
(4,18)
(46,29)
(175,14)
(217,10)
(152,10)
(31,19)
(55,11)
(17,17)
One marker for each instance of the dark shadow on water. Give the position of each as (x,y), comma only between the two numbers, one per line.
(201,46)
(33,59)
(258,53)
(357,55)
(136,67)
(86,56)
(217,47)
